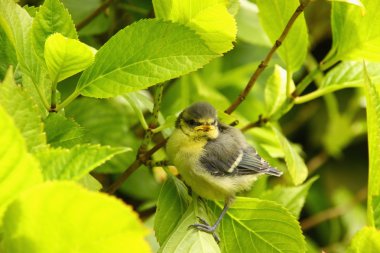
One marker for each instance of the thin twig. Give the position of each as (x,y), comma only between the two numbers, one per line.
(142,159)
(265,62)
(257,123)
(334,212)
(93,15)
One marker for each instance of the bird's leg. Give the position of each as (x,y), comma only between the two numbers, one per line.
(205,227)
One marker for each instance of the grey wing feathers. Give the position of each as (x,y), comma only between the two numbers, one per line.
(230,155)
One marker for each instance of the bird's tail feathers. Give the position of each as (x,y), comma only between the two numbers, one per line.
(273,171)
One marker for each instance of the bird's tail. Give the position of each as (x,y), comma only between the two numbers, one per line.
(273,171)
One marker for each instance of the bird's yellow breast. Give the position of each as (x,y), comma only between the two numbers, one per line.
(185,152)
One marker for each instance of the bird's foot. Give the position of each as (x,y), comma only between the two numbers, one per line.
(205,227)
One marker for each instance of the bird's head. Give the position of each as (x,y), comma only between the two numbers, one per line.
(199,121)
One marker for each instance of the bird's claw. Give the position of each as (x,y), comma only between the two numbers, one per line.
(205,227)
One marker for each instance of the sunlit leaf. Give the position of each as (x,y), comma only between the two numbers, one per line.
(366,240)
(276,91)
(93,222)
(253,225)
(52,17)
(74,163)
(18,103)
(65,57)
(355,34)
(141,55)
(292,198)
(19,170)
(210,19)
(373,123)
(296,166)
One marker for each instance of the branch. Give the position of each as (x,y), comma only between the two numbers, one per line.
(93,15)
(265,62)
(140,160)
(143,155)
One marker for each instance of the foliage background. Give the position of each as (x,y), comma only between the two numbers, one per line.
(322,136)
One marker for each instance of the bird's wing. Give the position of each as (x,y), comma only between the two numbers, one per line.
(227,156)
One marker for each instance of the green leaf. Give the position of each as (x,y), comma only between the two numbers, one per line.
(75,219)
(210,19)
(74,163)
(19,170)
(80,10)
(276,91)
(7,53)
(274,15)
(66,57)
(63,132)
(52,17)
(183,239)
(253,225)
(90,183)
(350,74)
(355,34)
(17,102)
(141,55)
(249,27)
(366,240)
(373,123)
(17,24)
(172,204)
(296,166)
(107,122)
(376,210)
(292,198)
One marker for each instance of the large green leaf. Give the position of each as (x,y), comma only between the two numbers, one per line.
(210,19)
(141,55)
(185,239)
(66,57)
(172,204)
(373,123)
(18,103)
(74,163)
(292,198)
(253,225)
(274,15)
(366,240)
(52,17)
(19,170)
(355,33)
(64,217)
(296,166)
(63,132)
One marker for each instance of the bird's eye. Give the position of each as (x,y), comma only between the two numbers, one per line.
(192,122)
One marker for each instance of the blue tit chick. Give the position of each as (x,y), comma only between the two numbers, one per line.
(213,158)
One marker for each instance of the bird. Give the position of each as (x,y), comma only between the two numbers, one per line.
(213,159)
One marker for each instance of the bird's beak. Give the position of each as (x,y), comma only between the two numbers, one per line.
(204,128)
